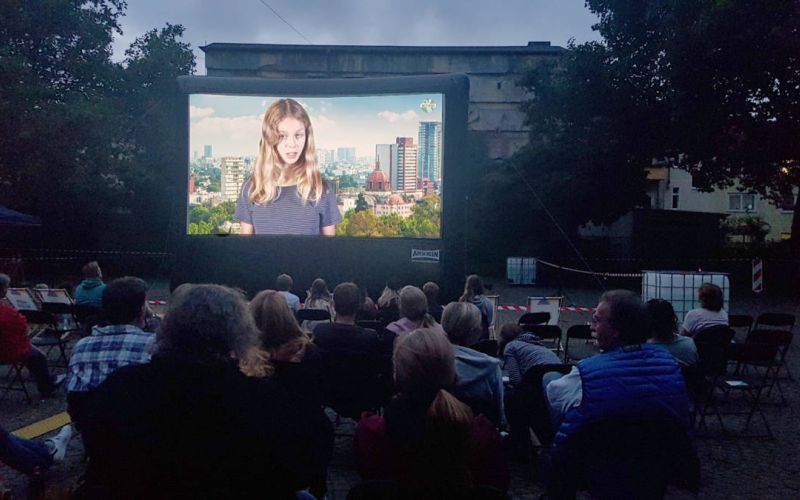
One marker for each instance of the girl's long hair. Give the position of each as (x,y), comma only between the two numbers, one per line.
(281,336)
(472,288)
(318,291)
(424,364)
(264,187)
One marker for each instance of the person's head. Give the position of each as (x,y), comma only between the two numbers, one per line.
(284,283)
(431,291)
(319,290)
(508,332)
(462,322)
(663,321)
(124,301)
(286,154)
(92,270)
(346,299)
(5,282)
(208,323)
(473,286)
(424,367)
(620,319)
(413,304)
(280,333)
(711,297)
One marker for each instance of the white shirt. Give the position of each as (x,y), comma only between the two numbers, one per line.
(565,393)
(698,319)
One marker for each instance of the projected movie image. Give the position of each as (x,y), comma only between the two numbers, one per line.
(362,166)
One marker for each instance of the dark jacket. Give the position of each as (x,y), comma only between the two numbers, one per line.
(177,428)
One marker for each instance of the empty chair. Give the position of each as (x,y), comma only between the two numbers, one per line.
(533,318)
(775,320)
(741,322)
(547,332)
(782,340)
(713,347)
(49,335)
(755,373)
(586,347)
(14,381)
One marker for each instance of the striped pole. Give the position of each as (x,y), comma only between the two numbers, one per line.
(758,276)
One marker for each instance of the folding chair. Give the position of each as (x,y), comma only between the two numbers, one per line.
(584,333)
(386,316)
(313,315)
(713,345)
(760,358)
(536,318)
(777,321)
(373,324)
(782,339)
(50,336)
(743,322)
(13,379)
(548,332)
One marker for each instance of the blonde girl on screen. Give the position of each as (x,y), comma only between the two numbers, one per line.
(286,193)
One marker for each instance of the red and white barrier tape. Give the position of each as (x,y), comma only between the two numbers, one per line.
(157,302)
(562,309)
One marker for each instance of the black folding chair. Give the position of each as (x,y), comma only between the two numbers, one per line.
(548,333)
(588,347)
(754,374)
(741,322)
(534,318)
(782,340)
(312,315)
(49,336)
(777,321)
(487,346)
(14,381)
(386,316)
(373,324)
(713,346)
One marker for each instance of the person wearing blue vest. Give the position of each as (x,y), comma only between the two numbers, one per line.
(629,384)
(630,378)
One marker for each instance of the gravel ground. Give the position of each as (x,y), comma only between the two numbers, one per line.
(732,467)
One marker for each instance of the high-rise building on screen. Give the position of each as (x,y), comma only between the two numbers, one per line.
(234,173)
(207,151)
(406,164)
(386,156)
(430,151)
(346,155)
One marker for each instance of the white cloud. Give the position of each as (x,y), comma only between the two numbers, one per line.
(392,117)
(236,136)
(196,113)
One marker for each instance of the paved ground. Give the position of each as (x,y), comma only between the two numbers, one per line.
(733,468)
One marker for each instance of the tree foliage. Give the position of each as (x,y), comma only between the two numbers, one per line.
(86,143)
(712,87)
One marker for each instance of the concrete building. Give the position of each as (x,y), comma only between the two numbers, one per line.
(406,161)
(234,173)
(386,157)
(207,151)
(495,98)
(672,189)
(394,204)
(429,157)
(346,155)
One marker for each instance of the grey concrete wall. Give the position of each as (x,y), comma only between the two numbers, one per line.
(495,97)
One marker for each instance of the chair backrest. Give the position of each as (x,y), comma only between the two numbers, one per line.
(581,332)
(354,381)
(781,320)
(740,321)
(57,308)
(38,317)
(488,346)
(545,332)
(713,344)
(386,316)
(534,318)
(755,354)
(313,315)
(781,338)
(625,458)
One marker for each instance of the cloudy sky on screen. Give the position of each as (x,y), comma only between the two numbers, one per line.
(362,22)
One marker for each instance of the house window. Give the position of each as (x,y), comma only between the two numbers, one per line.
(787,203)
(742,202)
(675,197)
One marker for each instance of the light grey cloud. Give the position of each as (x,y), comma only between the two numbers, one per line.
(363,22)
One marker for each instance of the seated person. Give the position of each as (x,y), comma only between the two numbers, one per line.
(520,351)
(108,348)
(90,291)
(479,381)
(710,312)
(629,379)
(390,297)
(664,333)
(190,424)
(431,291)
(474,293)
(413,313)
(281,335)
(427,439)
(15,345)
(30,456)
(318,297)
(284,285)
(343,334)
